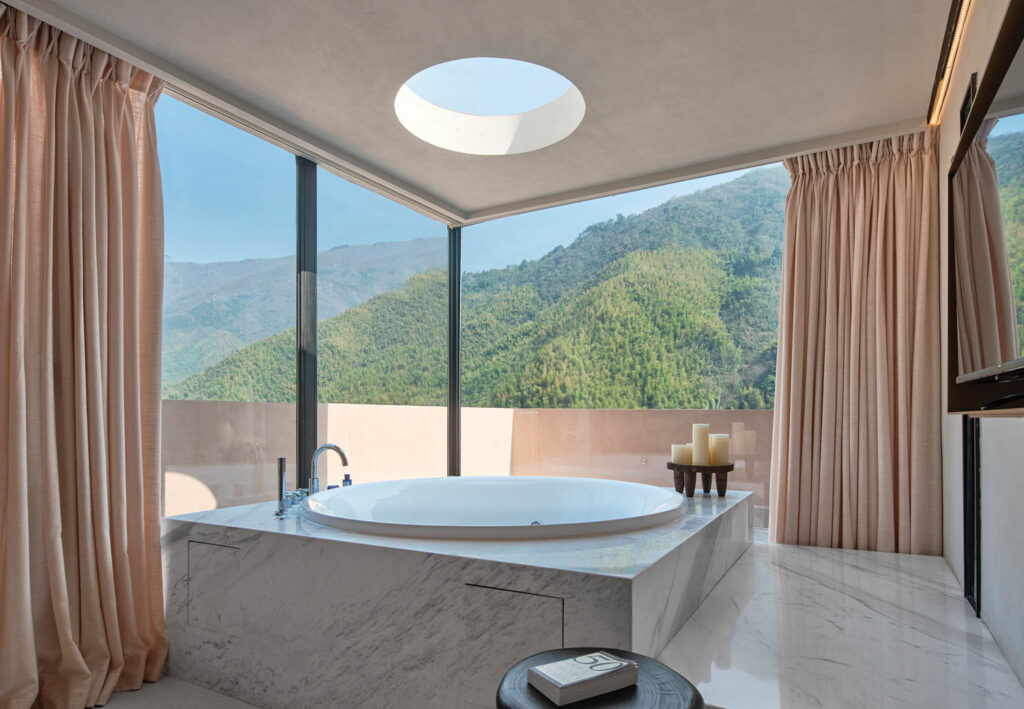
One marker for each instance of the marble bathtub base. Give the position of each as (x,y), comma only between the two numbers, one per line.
(667,593)
(286,619)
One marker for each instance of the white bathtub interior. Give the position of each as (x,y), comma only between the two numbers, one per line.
(498,507)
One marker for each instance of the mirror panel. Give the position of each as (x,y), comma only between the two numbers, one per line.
(988,234)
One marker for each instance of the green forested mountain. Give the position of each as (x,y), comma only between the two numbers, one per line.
(676,307)
(673,307)
(213,309)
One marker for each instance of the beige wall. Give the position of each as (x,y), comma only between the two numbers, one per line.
(1002,439)
(224,453)
(397,442)
(220,454)
(627,444)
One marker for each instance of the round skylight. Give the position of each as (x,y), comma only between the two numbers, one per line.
(489,106)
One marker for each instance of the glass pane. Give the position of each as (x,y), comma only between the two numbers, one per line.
(229,311)
(593,340)
(1006,146)
(382,304)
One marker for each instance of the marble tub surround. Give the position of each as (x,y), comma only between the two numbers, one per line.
(289,613)
(623,555)
(797,627)
(666,594)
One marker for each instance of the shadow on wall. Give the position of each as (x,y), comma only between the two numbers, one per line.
(223,450)
(224,453)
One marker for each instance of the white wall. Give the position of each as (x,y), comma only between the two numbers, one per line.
(1002,535)
(1002,440)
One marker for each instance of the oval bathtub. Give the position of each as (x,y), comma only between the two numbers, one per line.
(494,507)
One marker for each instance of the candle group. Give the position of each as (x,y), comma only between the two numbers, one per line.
(707,448)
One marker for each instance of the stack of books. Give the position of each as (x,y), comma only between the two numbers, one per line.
(582,677)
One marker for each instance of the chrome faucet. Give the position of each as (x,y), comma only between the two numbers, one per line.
(285,497)
(314,480)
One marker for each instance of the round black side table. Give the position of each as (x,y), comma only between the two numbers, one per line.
(657,687)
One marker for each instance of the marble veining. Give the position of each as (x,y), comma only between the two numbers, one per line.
(625,555)
(801,627)
(282,613)
(670,591)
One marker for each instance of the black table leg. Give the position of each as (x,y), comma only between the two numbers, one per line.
(706,480)
(691,483)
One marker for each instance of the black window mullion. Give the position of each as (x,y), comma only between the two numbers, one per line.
(454,351)
(305,306)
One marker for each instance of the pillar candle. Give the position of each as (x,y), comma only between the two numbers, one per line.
(682,454)
(701,452)
(719,443)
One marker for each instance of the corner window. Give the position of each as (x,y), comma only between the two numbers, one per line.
(229,311)
(594,335)
(382,310)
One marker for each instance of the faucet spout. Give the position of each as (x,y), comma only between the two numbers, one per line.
(314,480)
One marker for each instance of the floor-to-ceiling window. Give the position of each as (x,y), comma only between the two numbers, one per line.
(229,311)
(382,295)
(594,335)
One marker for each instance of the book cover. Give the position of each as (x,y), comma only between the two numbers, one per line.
(582,677)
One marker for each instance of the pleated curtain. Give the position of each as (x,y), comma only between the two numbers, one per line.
(856,441)
(986,306)
(81,258)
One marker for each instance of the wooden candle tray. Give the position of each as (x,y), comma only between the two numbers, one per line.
(685,477)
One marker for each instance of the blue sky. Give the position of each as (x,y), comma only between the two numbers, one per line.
(1010,124)
(229,196)
(489,86)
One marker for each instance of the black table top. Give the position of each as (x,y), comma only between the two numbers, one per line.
(658,687)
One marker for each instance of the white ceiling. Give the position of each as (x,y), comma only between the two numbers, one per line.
(673,88)
(1009,98)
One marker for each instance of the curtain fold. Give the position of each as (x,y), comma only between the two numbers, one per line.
(986,306)
(856,447)
(81,269)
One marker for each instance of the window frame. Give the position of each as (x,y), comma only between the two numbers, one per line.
(306,394)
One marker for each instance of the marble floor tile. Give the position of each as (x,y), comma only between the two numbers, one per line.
(801,627)
(171,693)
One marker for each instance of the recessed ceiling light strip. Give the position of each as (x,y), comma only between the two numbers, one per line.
(951,48)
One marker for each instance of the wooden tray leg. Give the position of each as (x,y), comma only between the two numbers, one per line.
(706,480)
(721,480)
(691,483)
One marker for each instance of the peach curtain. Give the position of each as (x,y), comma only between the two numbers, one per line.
(855,448)
(81,259)
(986,307)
